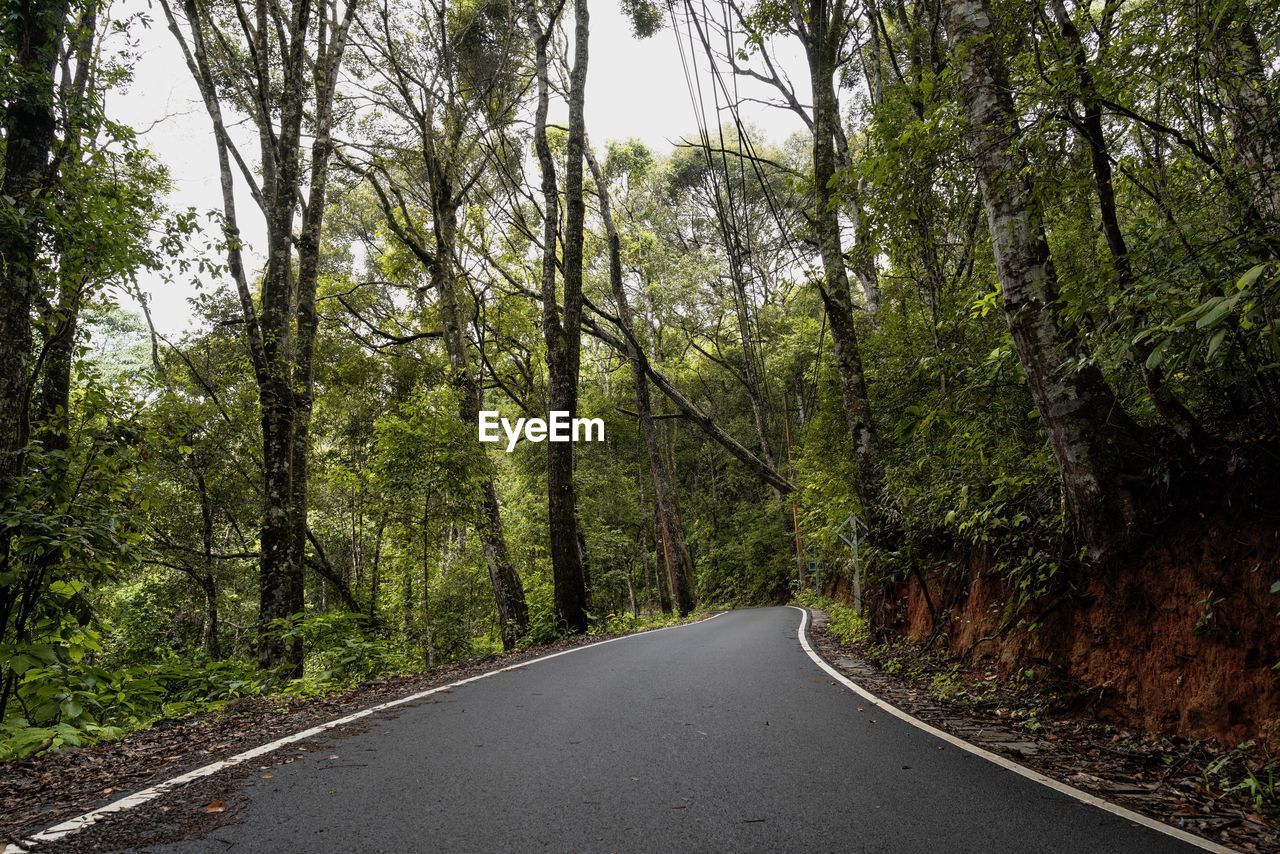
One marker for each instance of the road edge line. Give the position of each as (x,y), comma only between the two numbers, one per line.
(996,759)
(142,796)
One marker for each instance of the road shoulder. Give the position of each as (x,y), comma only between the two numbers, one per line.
(1127,769)
(40,792)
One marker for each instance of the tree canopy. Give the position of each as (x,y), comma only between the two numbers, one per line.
(1012,290)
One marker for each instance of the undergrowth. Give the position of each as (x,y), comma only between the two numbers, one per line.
(1023,701)
(1019,697)
(73,703)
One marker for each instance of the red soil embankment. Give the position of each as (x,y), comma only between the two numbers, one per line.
(1181,637)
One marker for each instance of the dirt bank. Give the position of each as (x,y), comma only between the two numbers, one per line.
(1180,637)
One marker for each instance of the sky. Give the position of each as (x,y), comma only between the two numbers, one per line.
(634,89)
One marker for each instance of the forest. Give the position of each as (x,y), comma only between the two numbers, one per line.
(1006,309)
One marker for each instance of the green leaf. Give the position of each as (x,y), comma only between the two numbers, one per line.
(66,588)
(1216,341)
(1251,276)
(1215,315)
(44,652)
(1193,313)
(1156,357)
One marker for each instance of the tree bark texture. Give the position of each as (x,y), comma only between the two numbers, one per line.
(35,32)
(561,321)
(821,48)
(1093,439)
(672,550)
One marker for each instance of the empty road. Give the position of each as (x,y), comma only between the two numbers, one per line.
(718,736)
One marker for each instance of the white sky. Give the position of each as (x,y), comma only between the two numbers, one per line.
(634,89)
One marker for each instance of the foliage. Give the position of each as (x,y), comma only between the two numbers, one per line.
(131,556)
(344,651)
(843,621)
(77,705)
(1232,771)
(625,624)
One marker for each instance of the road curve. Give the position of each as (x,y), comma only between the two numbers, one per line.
(718,736)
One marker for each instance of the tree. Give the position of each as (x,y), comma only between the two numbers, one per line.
(283,72)
(1094,440)
(33,35)
(1088,124)
(823,29)
(446,86)
(562,316)
(672,551)
(78,203)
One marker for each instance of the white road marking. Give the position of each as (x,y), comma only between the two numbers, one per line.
(152,792)
(1092,800)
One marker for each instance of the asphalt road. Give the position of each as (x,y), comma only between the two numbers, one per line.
(719,736)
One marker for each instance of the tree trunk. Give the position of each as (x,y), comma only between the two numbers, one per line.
(50,420)
(428,638)
(374,570)
(209,581)
(873,55)
(1251,110)
(280,566)
(662,578)
(671,545)
(821,49)
(35,32)
(1093,439)
(508,593)
(276,591)
(562,325)
(750,365)
(209,637)
(375,574)
(288,51)
(37,29)
(1089,126)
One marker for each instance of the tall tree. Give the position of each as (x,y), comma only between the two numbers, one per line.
(1250,102)
(1088,124)
(562,317)
(447,86)
(283,72)
(78,208)
(33,34)
(1094,441)
(823,29)
(673,554)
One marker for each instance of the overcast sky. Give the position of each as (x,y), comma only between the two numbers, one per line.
(634,89)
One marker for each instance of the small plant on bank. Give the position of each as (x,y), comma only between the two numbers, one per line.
(842,621)
(1231,772)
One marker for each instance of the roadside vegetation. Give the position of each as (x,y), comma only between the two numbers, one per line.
(1242,776)
(1008,308)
